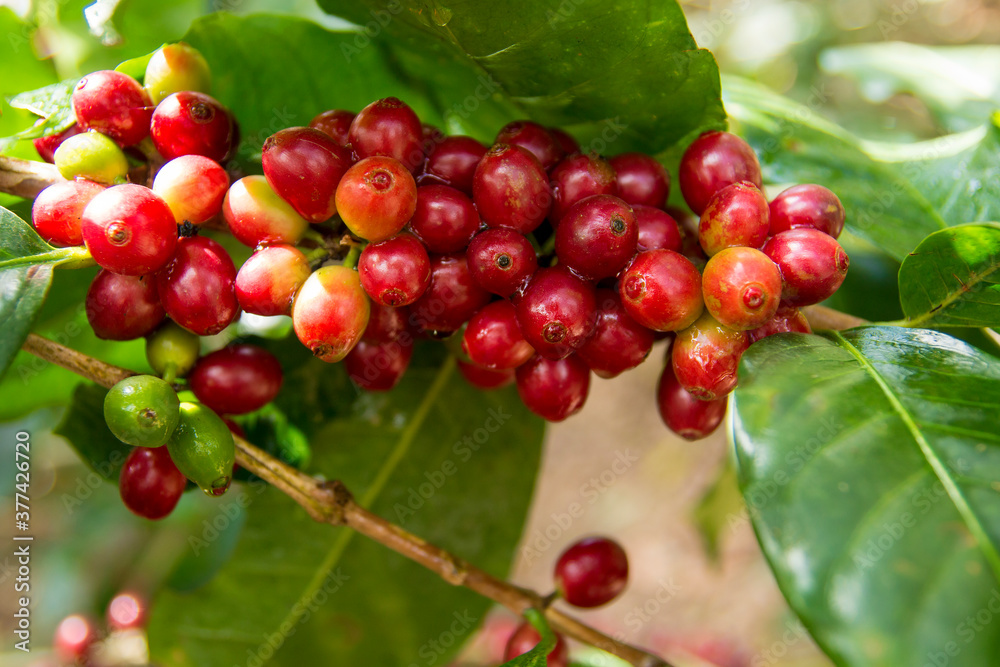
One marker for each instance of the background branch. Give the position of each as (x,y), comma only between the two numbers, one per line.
(26,178)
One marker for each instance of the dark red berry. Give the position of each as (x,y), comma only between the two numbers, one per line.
(445,219)
(453,162)
(706,356)
(657,229)
(113,104)
(198,287)
(568,144)
(47,145)
(501,260)
(525,638)
(661,290)
(430,136)
(812,263)
(736,215)
(641,179)
(236,379)
(492,338)
(123,307)
(378,365)
(335,123)
(386,323)
(74,638)
(376,198)
(331,312)
(619,343)
(256,215)
(597,237)
(58,210)
(268,281)
(511,189)
(742,288)
(684,413)
(150,484)
(578,177)
(191,123)
(553,389)
(807,205)
(127,611)
(557,312)
(786,320)
(713,161)
(591,572)
(304,166)
(484,378)
(395,272)
(534,138)
(388,128)
(129,230)
(452,298)
(193,186)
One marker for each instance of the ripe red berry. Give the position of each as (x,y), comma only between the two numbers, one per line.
(256,215)
(484,378)
(641,180)
(58,209)
(198,286)
(501,260)
(123,307)
(331,312)
(376,198)
(813,265)
(191,123)
(706,356)
(525,638)
(657,229)
(193,186)
(268,281)
(511,189)
(388,128)
(395,272)
(565,140)
(129,230)
(553,389)
(742,288)
(736,215)
(386,323)
(713,161)
(445,219)
(150,484)
(591,572)
(534,138)
(452,297)
(597,237)
(619,343)
(335,123)
(378,365)
(74,637)
(661,290)
(430,135)
(304,166)
(453,162)
(684,413)
(47,145)
(127,611)
(807,205)
(578,177)
(492,338)
(236,379)
(113,104)
(786,320)
(557,312)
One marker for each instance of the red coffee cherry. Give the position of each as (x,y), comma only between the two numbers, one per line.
(736,215)
(568,144)
(553,389)
(557,312)
(127,611)
(657,229)
(661,290)
(193,186)
(619,343)
(335,123)
(378,365)
(525,638)
(597,237)
(191,123)
(534,138)
(706,356)
(713,161)
(256,215)
(236,379)
(74,639)
(484,378)
(198,286)
(123,307)
(685,414)
(129,230)
(386,323)
(453,162)
(267,283)
(813,265)
(113,104)
(58,211)
(304,166)
(807,205)
(395,272)
(388,128)
(331,312)
(150,484)
(591,572)
(641,180)
(786,320)
(578,177)
(492,338)
(742,288)
(376,198)
(452,297)
(445,219)
(501,260)
(511,189)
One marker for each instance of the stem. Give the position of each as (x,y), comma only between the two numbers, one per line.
(26,178)
(821,317)
(352,256)
(331,502)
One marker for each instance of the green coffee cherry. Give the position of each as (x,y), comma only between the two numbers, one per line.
(172,350)
(202,448)
(142,410)
(93,156)
(176,67)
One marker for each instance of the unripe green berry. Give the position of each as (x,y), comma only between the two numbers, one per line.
(142,410)
(172,345)
(93,156)
(202,448)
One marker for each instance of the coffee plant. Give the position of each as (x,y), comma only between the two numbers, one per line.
(299,266)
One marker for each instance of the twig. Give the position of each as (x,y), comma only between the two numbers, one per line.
(26,178)
(331,502)
(821,317)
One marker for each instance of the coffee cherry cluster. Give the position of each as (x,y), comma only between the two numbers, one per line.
(80,640)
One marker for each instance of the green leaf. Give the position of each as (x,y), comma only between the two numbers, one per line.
(632,78)
(538,656)
(136,67)
(717,509)
(51,104)
(270,430)
(952,279)
(84,428)
(870,460)
(452,465)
